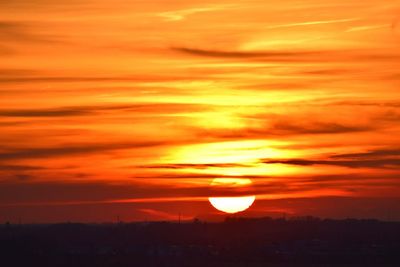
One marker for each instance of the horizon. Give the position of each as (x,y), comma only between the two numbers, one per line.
(213,216)
(194,220)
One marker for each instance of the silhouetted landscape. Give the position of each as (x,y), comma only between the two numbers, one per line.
(305,241)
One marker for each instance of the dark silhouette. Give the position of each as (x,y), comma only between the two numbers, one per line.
(305,241)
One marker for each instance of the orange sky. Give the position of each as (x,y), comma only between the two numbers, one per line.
(131,108)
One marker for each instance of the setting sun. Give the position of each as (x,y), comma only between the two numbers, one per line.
(231,204)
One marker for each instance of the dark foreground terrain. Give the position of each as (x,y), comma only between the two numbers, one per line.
(235,242)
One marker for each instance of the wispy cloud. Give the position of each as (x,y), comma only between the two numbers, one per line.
(292,55)
(182,14)
(193,166)
(65,150)
(368,28)
(11,31)
(245,54)
(377,163)
(13,78)
(310,23)
(22,192)
(158,108)
(371,153)
(385,158)
(20,167)
(282,129)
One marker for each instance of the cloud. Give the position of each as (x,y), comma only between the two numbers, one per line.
(371,153)
(67,79)
(244,54)
(380,104)
(176,175)
(395,24)
(4,72)
(24,177)
(19,168)
(193,166)
(368,27)
(43,113)
(378,163)
(5,50)
(32,76)
(318,128)
(11,31)
(67,150)
(178,15)
(25,192)
(29,3)
(159,108)
(311,23)
(281,128)
(328,72)
(9,28)
(385,158)
(48,192)
(296,56)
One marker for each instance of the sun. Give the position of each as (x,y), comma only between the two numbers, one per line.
(231,204)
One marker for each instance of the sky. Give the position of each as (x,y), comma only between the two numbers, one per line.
(130,109)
